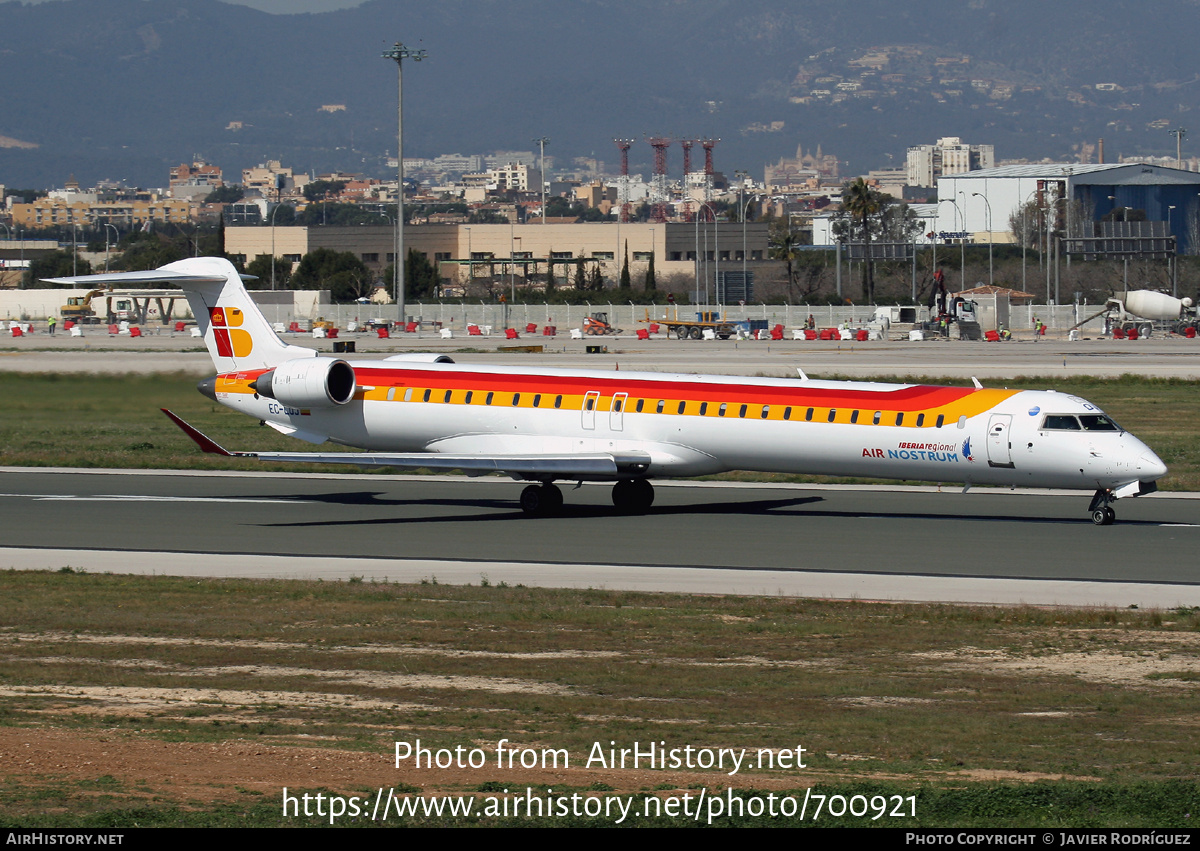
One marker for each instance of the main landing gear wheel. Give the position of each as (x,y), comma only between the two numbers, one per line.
(541,499)
(633,496)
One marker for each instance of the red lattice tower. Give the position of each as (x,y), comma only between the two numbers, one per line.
(687,169)
(659,183)
(623,145)
(708,144)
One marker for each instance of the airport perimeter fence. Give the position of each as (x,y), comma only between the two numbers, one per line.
(33,305)
(456,316)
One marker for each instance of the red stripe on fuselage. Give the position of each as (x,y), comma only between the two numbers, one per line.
(909,398)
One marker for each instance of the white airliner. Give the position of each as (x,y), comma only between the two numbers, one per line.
(548,425)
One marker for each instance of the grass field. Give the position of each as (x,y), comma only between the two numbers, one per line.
(114,421)
(162,701)
(988,716)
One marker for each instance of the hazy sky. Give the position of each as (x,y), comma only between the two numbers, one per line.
(292,6)
(281,7)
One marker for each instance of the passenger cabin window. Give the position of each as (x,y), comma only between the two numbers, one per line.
(920,420)
(448,394)
(591,402)
(808,415)
(640,404)
(962,422)
(787,413)
(616,406)
(391,394)
(721,410)
(832,414)
(766,410)
(742,411)
(1060,422)
(682,407)
(558,401)
(660,407)
(703,408)
(878,416)
(428,393)
(487,400)
(467,400)
(516,399)
(408,394)
(537,400)
(899,419)
(854,416)
(941,419)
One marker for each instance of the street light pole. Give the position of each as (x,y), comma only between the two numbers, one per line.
(989,211)
(1178,133)
(398,54)
(542,172)
(108,225)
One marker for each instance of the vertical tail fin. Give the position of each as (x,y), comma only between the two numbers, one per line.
(236,333)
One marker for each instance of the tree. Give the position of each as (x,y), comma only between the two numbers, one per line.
(56,264)
(782,246)
(260,267)
(580,283)
(341,215)
(626,282)
(651,283)
(318,189)
(343,274)
(145,251)
(283,215)
(596,280)
(863,205)
(230,193)
(421,279)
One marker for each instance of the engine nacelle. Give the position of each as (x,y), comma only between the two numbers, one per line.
(308,382)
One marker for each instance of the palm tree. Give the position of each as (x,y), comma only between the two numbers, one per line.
(864,204)
(783,247)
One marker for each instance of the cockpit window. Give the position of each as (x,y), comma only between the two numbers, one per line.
(1098,422)
(1060,422)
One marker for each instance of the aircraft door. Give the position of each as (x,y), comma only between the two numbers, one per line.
(999,448)
(591,401)
(616,414)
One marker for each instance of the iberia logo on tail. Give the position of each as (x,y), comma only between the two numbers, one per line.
(231,340)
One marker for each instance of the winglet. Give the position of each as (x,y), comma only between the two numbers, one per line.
(205,443)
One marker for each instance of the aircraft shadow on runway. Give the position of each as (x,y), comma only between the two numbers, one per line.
(507,510)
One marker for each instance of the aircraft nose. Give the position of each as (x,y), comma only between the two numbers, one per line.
(1150,467)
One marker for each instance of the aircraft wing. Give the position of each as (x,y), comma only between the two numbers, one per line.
(591,465)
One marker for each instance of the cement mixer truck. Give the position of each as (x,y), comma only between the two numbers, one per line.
(1140,310)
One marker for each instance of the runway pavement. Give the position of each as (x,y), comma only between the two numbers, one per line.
(837,542)
(1164,357)
(899,543)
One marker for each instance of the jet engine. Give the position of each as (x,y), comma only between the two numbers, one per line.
(308,382)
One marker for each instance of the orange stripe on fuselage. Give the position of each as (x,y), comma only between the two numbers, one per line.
(951,401)
(931,400)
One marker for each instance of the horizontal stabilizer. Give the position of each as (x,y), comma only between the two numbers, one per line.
(153,276)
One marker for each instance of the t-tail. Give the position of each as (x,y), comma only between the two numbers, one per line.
(236,333)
